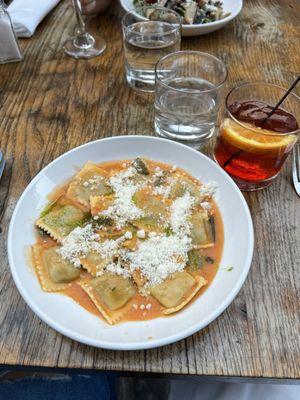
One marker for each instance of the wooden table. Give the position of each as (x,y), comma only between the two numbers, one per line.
(51,103)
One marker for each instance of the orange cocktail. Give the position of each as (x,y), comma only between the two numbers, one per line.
(252,149)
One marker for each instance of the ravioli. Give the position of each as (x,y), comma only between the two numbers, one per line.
(53,272)
(170,293)
(200,282)
(101,203)
(202,230)
(110,293)
(195,261)
(155,211)
(94,263)
(91,180)
(183,185)
(157,229)
(61,219)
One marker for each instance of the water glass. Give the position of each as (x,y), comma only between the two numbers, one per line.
(187,96)
(149,34)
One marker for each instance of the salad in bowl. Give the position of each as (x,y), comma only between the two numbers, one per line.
(199,16)
(193,12)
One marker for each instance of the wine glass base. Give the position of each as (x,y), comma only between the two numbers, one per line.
(93,50)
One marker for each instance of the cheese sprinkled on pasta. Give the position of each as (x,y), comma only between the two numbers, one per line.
(81,241)
(124,210)
(180,210)
(157,255)
(160,256)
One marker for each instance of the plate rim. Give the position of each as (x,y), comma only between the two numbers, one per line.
(131,345)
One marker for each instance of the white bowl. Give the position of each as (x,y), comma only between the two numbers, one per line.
(68,318)
(233,7)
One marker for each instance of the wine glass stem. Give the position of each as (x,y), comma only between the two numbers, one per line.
(82,44)
(80,21)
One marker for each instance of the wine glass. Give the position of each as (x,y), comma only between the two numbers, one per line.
(83,45)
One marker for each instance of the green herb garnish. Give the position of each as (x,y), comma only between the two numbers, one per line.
(195,260)
(228,269)
(168,231)
(140,166)
(104,220)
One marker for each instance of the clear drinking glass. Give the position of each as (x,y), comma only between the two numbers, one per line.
(149,33)
(9,49)
(187,94)
(83,45)
(250,147)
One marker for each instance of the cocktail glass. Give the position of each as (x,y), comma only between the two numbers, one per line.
(253,151)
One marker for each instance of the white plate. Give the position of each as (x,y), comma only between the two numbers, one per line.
(68,318)
(233,7)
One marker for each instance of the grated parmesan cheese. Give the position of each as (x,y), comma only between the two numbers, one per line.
(180,210)
(128,235)
(118,269)
(208,190)
(152,234)
(123,209)
(77,244)
(158,172)
(164,190)
(155,257)
(81,241)
(160,256)
(141,234)
(206,205)
(93,182)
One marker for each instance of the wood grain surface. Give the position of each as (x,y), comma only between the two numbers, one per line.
(50,103)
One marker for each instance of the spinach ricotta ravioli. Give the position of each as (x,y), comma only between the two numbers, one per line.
(134,239)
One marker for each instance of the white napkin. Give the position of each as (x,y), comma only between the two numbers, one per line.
(27,14)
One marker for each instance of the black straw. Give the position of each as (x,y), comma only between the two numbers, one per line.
(265,119)
(281,100)
(234,155)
